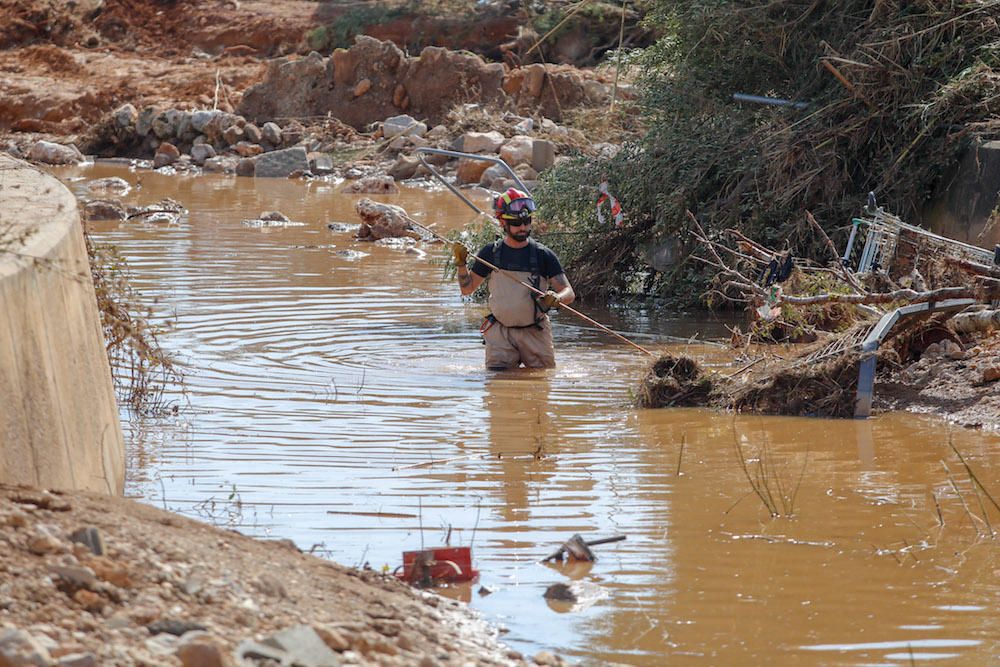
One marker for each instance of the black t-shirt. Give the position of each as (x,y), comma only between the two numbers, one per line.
(518,259)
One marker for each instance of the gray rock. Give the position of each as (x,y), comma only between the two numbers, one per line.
(543,154)
(405,167)
(233,134)
(125,117)
(221,163)
(144,123)
(162,126)
(202,152)
(201,118)
(403,125)
(78,660)
(271,133)
(301,645)
(80,577)
(252,133)
(20,649)
(246,166)
(482,142)
(47,152)
(103,209)
(320,163)
(280,164)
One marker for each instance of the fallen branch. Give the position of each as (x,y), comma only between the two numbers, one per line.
(844,274)
(907,295)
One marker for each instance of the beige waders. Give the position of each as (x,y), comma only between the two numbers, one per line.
(518,333)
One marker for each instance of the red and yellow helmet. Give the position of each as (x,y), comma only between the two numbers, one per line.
(514,205)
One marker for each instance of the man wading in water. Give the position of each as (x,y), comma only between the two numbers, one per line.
(517,330)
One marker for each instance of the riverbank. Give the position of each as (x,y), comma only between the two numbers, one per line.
(168,590)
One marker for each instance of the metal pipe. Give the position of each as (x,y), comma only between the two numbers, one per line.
(468,156)
(772,101)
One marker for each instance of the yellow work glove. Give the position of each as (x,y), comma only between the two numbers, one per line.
(460,252)
(548,301)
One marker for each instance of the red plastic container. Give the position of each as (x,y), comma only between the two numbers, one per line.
(443,565)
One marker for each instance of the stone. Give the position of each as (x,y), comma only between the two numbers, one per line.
(376,184)
(379,221)
(202,152)
(482,142)
(271,133)
(232,135)
(125,117)
(19,649)
(201,118)
(525,172)
(144,123)
(991,374)
(363,87)
(302,645)
(162,126)
(470,171)
(534,79)
(76,576)
(47,152)
(547,658)
(220,164)
(78,660)
(199,649)
(405,167)
(104,209)
(247,149)
(252,133)
(174,627)
(320,163)
(492,173)
(543,154)
(402,125)
(166,154)
(517,150)
(246,167)
(280,164)
(334,639)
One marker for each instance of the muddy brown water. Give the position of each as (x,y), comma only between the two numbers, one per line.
(338,399)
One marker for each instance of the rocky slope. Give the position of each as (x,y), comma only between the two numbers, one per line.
(91,580)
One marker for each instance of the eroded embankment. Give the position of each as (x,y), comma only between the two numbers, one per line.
(59,423)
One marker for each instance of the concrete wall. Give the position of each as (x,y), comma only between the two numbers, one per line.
(963,206)
(59,423)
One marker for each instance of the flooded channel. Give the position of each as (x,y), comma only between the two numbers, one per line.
(336,397)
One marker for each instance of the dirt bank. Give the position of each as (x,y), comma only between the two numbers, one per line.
(170,591)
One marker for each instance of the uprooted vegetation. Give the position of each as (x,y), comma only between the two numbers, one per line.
(838,309)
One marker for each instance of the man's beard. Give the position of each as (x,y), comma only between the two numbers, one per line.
(521,234)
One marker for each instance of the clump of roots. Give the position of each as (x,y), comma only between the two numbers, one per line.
(673,382)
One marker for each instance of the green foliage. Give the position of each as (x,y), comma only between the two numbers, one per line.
(341,33)
(920,86)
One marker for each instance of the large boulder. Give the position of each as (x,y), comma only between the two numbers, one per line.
(47,152)
(379,221)
(280,164)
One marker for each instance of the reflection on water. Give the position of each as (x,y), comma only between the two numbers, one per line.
(336,396)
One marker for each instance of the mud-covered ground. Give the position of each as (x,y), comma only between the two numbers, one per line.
(168,590)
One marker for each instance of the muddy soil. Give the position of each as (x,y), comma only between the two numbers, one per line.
(172,591)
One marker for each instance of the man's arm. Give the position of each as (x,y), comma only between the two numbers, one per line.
(468,282)
(564,291)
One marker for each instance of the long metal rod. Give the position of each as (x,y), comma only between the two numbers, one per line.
(539,292)
(467,156)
